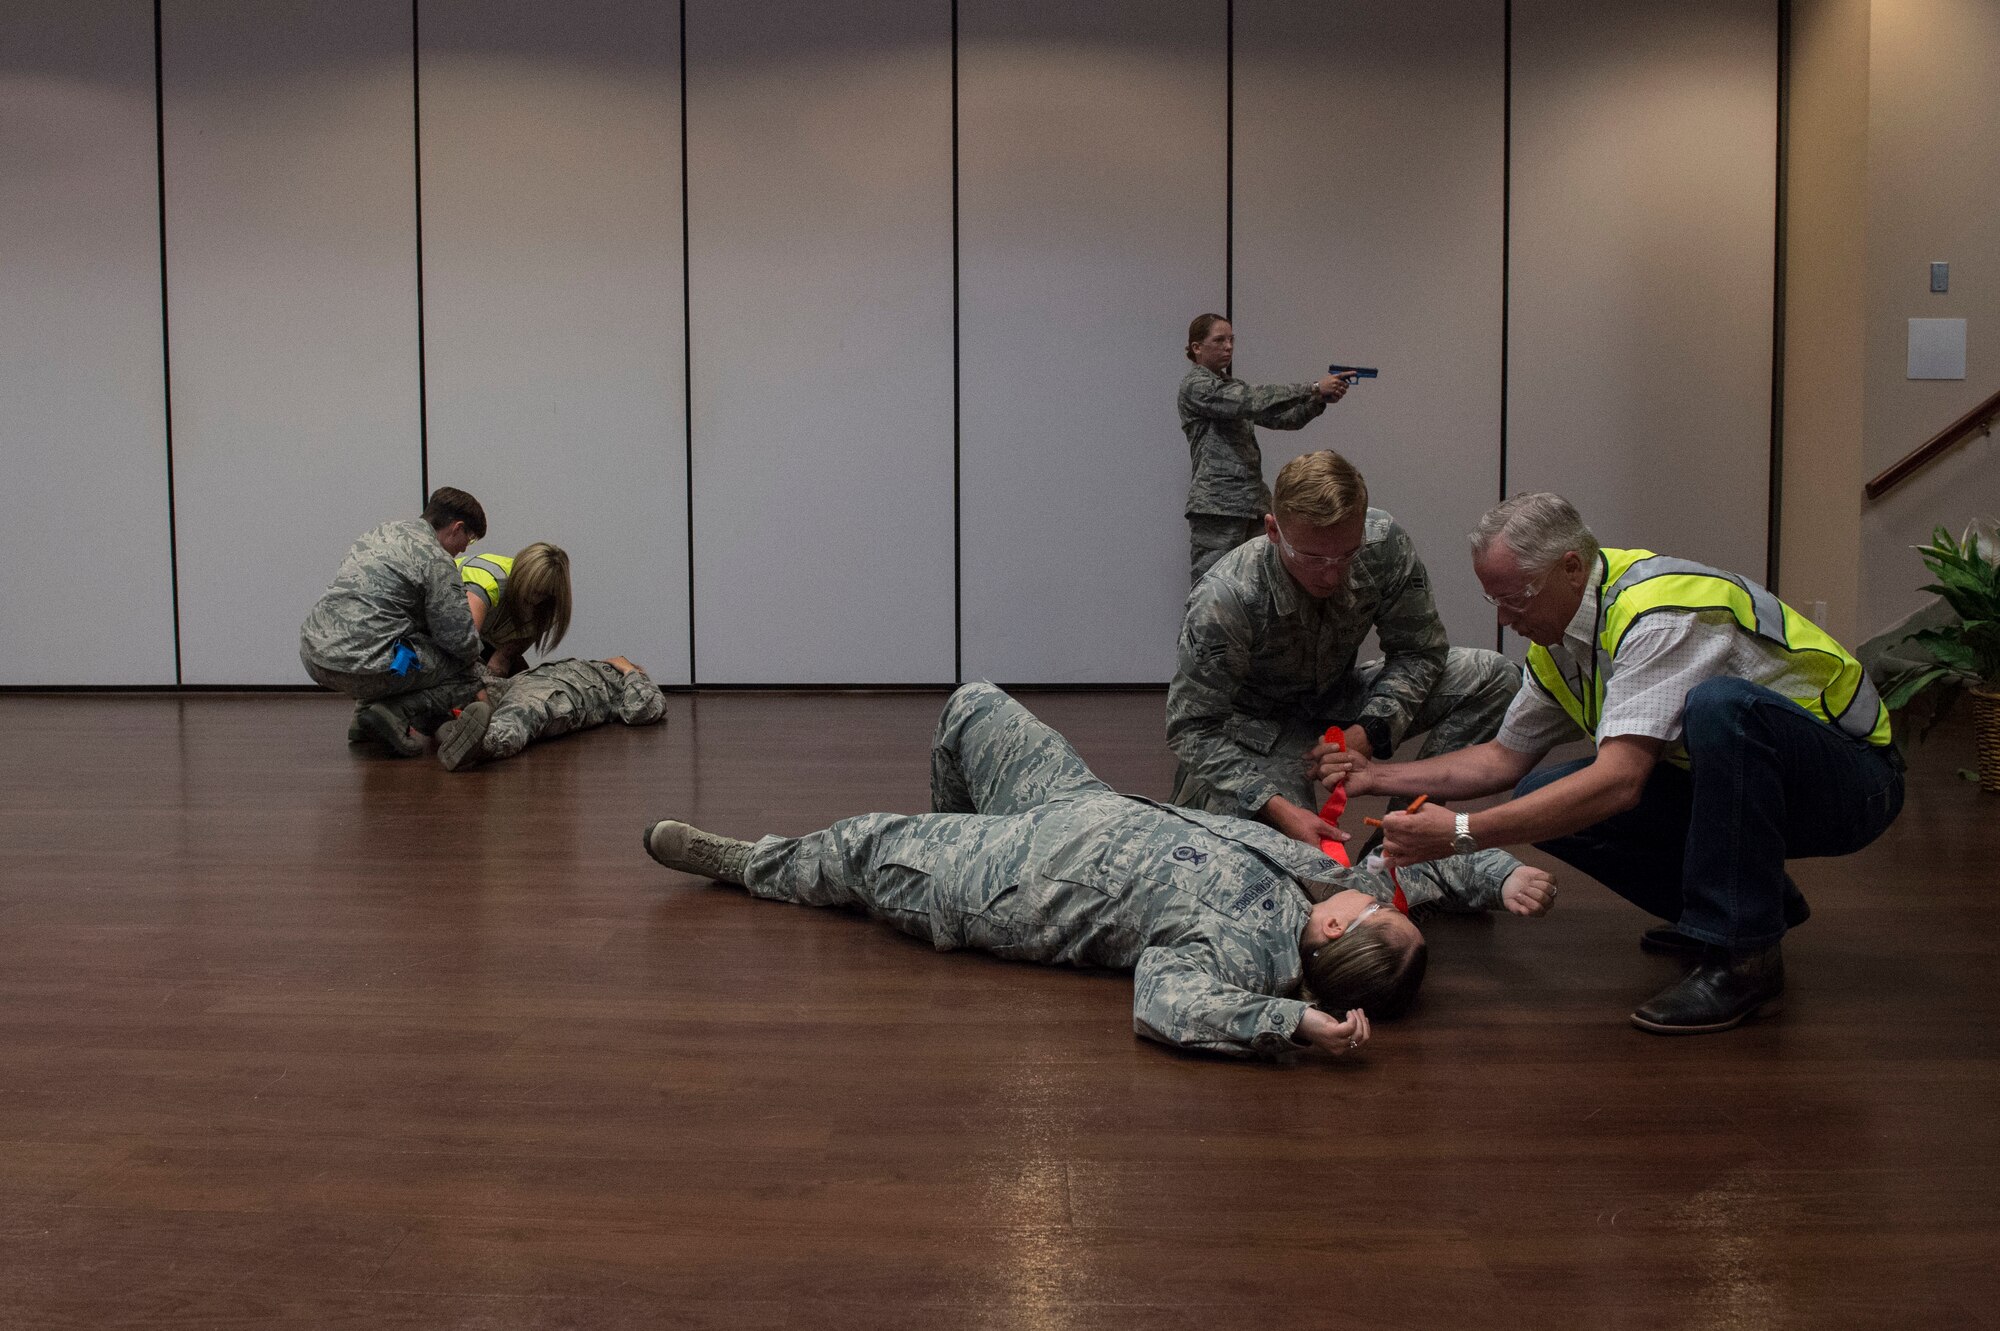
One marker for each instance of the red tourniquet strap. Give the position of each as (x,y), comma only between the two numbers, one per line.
(1336,804)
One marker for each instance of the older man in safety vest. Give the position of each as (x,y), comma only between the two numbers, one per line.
(1731,734)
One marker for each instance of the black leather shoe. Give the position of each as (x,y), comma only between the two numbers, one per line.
(1663,940)
(1720,993)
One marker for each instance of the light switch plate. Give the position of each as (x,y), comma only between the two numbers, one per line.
(1940,276)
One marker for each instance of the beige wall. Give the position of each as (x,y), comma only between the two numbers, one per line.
(1642,200)
(1825,292)
(1892,165)
(1933,193)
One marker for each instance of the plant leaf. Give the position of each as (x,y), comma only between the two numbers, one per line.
(1948,645)
(1909,685)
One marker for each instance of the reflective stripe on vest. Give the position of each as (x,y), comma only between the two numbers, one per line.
(1638,582)
(487,573)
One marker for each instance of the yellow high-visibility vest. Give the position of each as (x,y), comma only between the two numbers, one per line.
(1634,583)
(487,574)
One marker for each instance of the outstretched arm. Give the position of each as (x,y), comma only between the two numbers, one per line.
(1482,881)
(1483,769)
(1461,883)
(639,701)
(1279,406)
(1177,999)
(1611,784)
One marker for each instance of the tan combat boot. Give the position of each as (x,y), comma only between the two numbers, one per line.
(691,850)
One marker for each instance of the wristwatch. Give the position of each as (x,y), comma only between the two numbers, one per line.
(1462,842)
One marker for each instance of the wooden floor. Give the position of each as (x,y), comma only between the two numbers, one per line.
(293,1035)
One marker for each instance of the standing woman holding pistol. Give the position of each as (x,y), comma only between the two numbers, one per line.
(1227,498)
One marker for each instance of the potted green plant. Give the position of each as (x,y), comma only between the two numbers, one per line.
(1964,656)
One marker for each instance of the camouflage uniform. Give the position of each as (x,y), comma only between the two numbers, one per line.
(1264,669)
(1032,858)
(557,697)
(396,585)
(1227,496)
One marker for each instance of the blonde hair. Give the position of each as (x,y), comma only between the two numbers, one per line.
(1366,968)
(534,606)
(1321,489)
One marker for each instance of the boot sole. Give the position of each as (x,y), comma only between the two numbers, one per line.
(459,747)
(1770,1007)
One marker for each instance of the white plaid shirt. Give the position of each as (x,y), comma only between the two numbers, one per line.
(1646,684)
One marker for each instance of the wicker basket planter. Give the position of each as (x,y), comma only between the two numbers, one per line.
(1986,737)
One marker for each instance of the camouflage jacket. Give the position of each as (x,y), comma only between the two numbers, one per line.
(580,694)
(1256,653)
(396,581)
(1217,413)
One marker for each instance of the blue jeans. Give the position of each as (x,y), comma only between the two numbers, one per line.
(1706,847)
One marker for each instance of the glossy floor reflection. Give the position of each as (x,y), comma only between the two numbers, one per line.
(298,1036)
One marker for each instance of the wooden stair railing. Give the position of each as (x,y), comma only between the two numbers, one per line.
(1977,421)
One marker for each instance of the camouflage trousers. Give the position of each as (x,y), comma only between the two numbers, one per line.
(998,775)
(559,697)
(1212,535)
(421,698)
(1465,708)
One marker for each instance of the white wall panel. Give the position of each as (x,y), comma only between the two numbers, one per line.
(1092,224)
(552,298)
(88,594)
(291,253)
(819,193)
(1644,198)
(1370,176)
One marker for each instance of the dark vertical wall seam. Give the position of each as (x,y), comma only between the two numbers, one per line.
(1776,490)
(1506,245)
(687,345)
(166,339)
(417,176)
(957,437)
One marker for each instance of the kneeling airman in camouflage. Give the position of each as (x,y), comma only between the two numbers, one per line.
(393,631)
(1267,658)
(1031,857)
(554,698)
